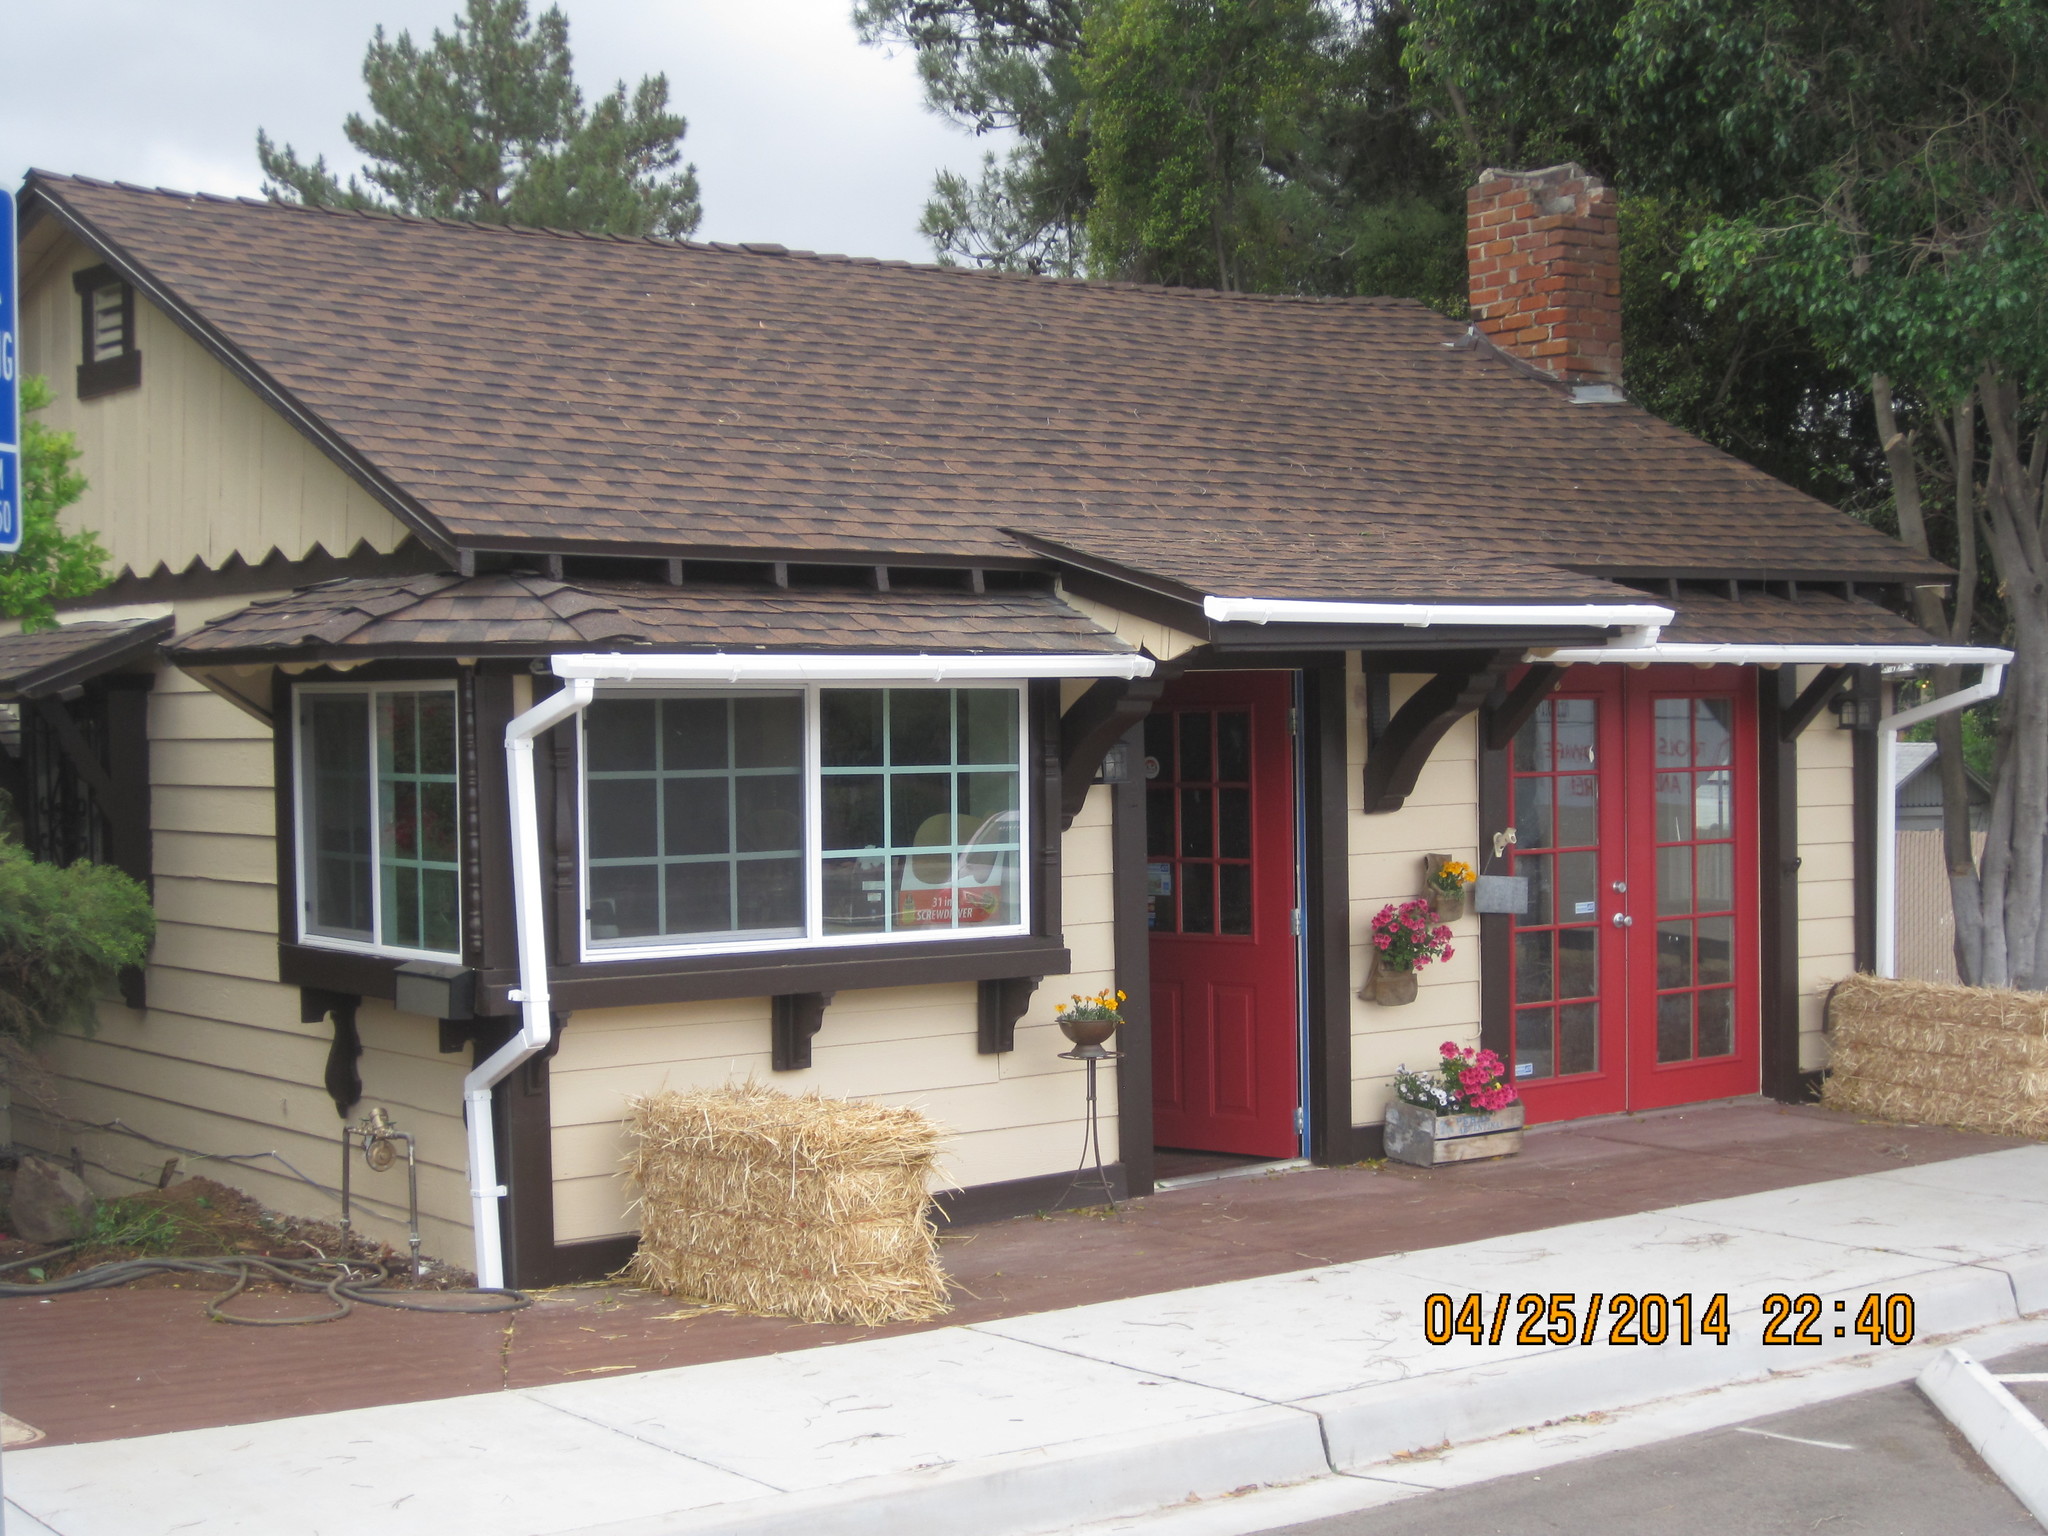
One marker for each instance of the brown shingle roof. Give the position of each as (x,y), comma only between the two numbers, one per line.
(366,617)
(51,660)
(533,388)
(1811,618)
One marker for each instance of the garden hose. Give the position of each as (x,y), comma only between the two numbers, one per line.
(344,1282)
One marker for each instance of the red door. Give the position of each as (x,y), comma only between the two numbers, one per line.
(1220,868)
(1634,972)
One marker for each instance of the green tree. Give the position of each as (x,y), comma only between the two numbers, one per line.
(487,123)
(51,564)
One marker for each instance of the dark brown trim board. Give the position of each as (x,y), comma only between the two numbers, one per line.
(1867,690)
(1322,742)
(1133,960)
(1496,1008)
(1777,778)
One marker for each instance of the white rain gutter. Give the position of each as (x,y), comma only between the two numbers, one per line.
(582,674)
(1641,620)
(1701,655)
(1885,897)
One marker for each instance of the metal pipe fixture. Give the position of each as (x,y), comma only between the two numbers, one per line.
(376,1135)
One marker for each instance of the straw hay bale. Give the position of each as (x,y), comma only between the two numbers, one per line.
(789,1206)
(1971,1057)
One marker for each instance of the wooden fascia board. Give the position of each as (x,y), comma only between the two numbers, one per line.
(41,197)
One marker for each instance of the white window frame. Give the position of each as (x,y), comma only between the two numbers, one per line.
(665,947)
(300,807)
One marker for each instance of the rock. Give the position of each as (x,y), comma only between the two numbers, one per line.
(48,1204)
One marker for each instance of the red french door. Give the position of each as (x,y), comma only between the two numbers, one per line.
(1219,818)
(1634,970)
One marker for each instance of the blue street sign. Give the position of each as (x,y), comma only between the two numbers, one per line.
(10,383)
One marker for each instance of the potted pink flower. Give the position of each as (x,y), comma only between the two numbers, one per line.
(1405,937)
(1461,1109)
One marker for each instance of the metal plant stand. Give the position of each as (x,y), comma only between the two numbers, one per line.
(1091,1174)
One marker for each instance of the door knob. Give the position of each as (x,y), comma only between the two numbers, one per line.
(1623,920)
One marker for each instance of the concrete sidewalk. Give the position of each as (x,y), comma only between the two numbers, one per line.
(1031,1424)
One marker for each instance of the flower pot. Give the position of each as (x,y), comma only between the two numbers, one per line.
(1087,1032)
(1389,988)
(1424,1138)
(1448,905)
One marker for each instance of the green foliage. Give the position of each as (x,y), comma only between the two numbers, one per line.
(66,932)
(51,564)
(136,1225)
(486,123)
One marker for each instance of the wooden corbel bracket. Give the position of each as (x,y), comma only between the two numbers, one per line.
(1000,1002)
(1506,718)
(1811,701)
(794,1018)
(343,1078)
(1395,760)
(1097,721)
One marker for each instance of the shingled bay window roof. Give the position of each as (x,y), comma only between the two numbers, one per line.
(506,389)
(367,618)
(50,661)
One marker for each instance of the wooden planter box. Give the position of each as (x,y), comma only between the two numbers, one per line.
(1425,1138)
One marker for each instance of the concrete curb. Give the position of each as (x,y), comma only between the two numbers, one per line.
(2011,1440)
(1026,1491)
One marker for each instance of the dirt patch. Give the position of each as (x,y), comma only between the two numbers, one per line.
(203,1218)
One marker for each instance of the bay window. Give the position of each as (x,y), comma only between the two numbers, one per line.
(379,863)
(766,818)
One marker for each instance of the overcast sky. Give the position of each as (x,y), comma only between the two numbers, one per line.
(800,135)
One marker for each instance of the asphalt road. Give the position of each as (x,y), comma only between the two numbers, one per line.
(1883,1463)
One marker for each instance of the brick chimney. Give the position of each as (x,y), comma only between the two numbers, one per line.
(1543,255)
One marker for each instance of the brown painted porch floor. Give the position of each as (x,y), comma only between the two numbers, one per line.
(115,1363)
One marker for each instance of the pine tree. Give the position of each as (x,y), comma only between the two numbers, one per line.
(487,123)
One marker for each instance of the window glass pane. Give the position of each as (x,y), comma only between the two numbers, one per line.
(696,817)
(619,735)
(1234,823)
(988,725)
(624,903)
(441,903)
(621,822)
(335,763)
(1532,741)
(1534,1055)
(920,726)
(1716,949)
(1538,870)
(1532,813)
(693,735)
(1159,745)
(856,895)
(699,896)
(1234,747)
(1578,810)
(1713,804)
(1533,982)
(1674,807)
(1716,877)
(1717,1022)
(768,813)
(1197,831)
(1574,727)
(1236,892)
(1674,1027)
(769,893)
(853,810)
(1578,1038)
(1713,741)
(1198,898)
(1578,957)
(1578,891)
(766,733)
(921,810)
(983,795)
(1673,725)
(1674,954)
(850,720)
(1159,822)
(1194,744)
(1674,880)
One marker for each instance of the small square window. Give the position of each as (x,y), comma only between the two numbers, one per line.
(108,359)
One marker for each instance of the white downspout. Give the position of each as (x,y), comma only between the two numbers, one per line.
(536,1024)
(1886,896)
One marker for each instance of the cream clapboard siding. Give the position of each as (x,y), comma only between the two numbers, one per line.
(1827,873)
(191,463)
(1386,861)
(1008,1116)
(220,1062)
